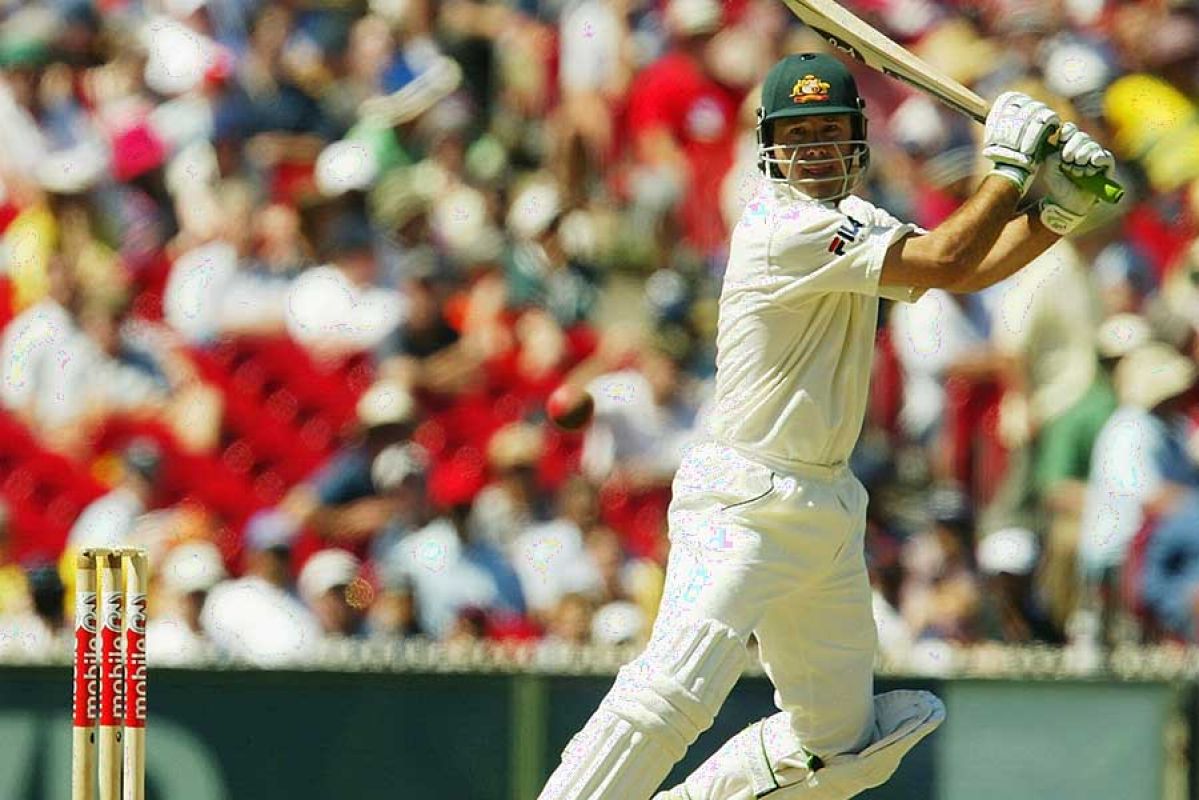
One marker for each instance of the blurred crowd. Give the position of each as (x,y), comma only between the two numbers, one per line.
(286,285)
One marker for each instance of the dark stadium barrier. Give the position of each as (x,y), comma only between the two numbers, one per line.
(463,734)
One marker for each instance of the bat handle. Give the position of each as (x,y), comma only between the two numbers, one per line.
(1101,186)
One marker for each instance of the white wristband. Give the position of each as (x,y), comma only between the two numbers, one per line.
(1017,175)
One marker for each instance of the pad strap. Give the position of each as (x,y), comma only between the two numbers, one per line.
(756,762)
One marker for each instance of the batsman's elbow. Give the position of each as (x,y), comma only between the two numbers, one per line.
(923,262)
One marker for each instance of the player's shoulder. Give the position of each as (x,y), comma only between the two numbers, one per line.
(773,207)
(805,232)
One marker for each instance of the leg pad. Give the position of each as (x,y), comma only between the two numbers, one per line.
(658,706)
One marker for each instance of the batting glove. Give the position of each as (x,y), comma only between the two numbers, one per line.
(1017,129)
(1065,204)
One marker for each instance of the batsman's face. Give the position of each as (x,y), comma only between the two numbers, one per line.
(815,152)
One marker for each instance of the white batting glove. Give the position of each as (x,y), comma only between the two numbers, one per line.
(1017,127)
(1065,204)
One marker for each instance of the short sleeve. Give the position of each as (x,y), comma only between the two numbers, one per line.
(826,250)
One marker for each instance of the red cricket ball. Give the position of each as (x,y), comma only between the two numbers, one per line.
(570,407)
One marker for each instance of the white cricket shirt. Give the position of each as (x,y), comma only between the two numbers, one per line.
(798,312)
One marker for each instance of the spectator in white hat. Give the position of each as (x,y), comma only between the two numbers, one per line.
(450,571)
(550,558)
(514,501)
(331,587)
(337,309)
(1011,610)
(1140,463)
(400,473)
(342,500)
(1078,71)
(1062,463)
(186,576)
(256,618)
(542,269)
(110,520)
(619,622)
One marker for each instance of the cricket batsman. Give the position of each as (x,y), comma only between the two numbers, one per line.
(767,522)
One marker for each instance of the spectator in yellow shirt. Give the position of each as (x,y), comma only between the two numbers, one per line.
(14,590)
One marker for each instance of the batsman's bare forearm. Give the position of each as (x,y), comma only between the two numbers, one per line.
(1022,239)
(955,249)
(971,232)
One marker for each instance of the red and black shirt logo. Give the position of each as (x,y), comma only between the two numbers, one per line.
(846,234)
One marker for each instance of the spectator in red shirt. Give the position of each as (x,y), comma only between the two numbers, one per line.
(682,122)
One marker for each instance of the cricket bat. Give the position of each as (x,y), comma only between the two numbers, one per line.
(854,37)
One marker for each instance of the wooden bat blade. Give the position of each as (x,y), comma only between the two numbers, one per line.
(860,41)
(852,36)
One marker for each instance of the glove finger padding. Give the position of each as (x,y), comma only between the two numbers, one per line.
(1017,129)
(1065,204)
(1082,155)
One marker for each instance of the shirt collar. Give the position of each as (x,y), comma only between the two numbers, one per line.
(786,193)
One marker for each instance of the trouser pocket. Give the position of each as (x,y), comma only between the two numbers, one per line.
(761,497)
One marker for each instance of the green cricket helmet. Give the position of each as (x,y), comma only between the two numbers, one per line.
(813,84)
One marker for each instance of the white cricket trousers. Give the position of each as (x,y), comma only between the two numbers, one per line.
(777,553)
(782,555)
